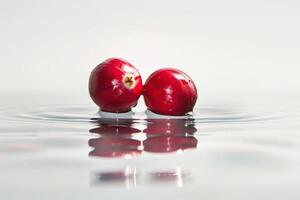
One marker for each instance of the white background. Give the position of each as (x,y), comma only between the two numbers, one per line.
(233,45)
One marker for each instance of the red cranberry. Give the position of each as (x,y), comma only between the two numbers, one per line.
(170,92)
(115,85)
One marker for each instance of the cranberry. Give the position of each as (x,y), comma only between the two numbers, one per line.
(170,91)
(115,85)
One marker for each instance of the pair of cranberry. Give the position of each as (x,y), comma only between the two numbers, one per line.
(116,85)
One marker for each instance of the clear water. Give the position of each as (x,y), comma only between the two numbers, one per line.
(60,147)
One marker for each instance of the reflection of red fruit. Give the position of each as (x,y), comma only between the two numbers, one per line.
(168,176)
(114,130)
(169,126)
(115,176)
(163,144)
(170,92)
(112,176)
(114,147)
(115,85)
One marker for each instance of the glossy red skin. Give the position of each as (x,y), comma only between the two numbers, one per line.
(170,91)
(107,89)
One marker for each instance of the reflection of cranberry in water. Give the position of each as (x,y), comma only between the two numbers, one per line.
(176,176)
(115,140)
(112,176)
(114,130)
(169,143)
(169,135)
(169,126)
(114,147)
(127,176)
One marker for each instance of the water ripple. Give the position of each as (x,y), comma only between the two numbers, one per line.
(83,114)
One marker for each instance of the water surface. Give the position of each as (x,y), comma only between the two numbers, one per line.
(63,148)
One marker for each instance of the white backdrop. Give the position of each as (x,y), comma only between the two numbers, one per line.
(229,45)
